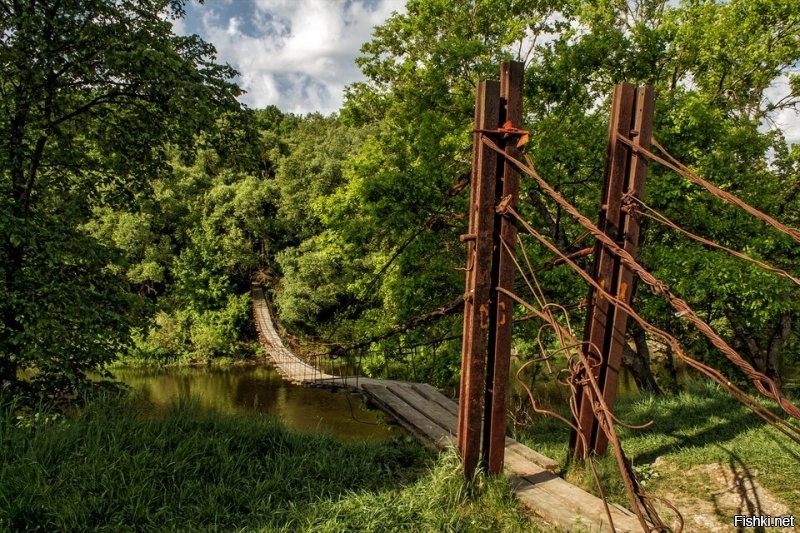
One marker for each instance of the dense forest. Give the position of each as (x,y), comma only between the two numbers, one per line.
(140,199)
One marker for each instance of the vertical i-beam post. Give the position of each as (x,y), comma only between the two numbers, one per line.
(503,270)
(486,348)
(604,336)
(478,283)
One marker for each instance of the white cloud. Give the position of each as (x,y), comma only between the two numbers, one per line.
(296,54)
(787,120)
(178,26)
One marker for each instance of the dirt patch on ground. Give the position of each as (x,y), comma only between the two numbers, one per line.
(729,490)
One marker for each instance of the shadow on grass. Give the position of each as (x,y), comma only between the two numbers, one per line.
(694,422)
(701,416)
(744,485)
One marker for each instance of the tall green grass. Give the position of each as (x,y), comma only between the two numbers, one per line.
(104,468)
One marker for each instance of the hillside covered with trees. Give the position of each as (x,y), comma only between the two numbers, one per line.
(139,199)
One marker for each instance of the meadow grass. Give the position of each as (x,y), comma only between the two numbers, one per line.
(702,425)
(105,468)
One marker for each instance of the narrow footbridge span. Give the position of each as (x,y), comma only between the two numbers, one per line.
(432,418)
(290,367)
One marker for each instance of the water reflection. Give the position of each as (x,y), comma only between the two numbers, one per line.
(258,390)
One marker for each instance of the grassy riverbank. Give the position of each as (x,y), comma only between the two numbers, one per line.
(705,452)
(104,467)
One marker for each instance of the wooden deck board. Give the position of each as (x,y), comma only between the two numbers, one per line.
(288,365)
(429,392)
(516,448)
(407,416)
(434,412)
(560,503)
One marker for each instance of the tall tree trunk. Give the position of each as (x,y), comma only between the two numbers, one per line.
(638,362)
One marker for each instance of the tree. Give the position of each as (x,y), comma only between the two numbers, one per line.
(388,249)
(712,63)
(92,91)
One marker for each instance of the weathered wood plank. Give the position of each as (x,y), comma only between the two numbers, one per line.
(566,506)
(532,456)
(429,391)
(406,415)
(431,410)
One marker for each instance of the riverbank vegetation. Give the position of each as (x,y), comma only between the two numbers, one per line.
(140,200)
(104,467)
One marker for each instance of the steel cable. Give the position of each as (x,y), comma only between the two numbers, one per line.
(683,170)
(658,217)
(602,411)
(763,383)
(791,431)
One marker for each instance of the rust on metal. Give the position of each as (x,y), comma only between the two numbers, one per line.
(604,335)
(478,282)
(628,232)
(503,271)
(486,344)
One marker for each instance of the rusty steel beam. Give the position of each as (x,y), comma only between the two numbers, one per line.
(478,282)
(641,134)
(503,270)
(604,335)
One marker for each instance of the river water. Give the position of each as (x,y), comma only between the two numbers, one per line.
(259,391)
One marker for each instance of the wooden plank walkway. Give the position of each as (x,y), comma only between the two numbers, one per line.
(432,418)
(290,367)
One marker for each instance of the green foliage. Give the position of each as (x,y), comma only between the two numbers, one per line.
(128,169)
(187,335)
(388,230)
(384,227)
(91,92)
(195,245)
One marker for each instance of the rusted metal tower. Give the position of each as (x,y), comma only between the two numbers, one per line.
(490,246)
(604,337)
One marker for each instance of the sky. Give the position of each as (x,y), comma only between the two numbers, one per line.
(298,55)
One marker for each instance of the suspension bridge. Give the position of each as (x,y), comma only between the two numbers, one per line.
(496,254)
(432,417)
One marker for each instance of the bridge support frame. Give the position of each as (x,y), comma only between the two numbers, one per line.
(486,348)
(604,336)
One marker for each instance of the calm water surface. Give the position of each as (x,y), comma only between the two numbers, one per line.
(258,390)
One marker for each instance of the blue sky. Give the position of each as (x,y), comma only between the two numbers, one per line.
(296,54)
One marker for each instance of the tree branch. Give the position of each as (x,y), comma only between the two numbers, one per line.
(433,316)
(102,99)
